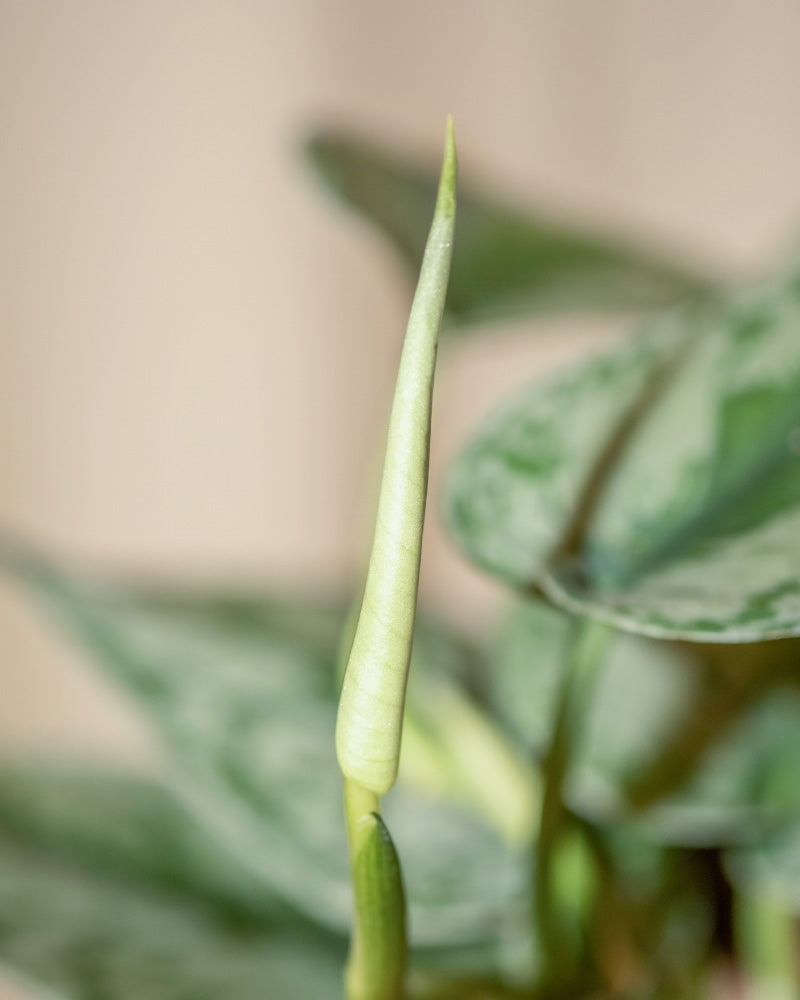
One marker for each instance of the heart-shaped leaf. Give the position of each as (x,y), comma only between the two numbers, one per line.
(81,936)
(247,713)
(697,531)
(513,494)
(506,261)
(685,524)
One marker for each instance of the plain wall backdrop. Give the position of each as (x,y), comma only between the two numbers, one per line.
(197,349)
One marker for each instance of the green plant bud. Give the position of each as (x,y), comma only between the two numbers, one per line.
(371,707)
(377,965)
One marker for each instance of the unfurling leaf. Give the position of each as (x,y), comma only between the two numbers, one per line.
(507,261)
(370,717)
(379,947)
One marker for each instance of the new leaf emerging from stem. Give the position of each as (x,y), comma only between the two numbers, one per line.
(377,964)
(370,717)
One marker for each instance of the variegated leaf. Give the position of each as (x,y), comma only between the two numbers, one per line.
(247,713)
(685,524)
(697,532)
(82,937)
(513,493)
(131,828)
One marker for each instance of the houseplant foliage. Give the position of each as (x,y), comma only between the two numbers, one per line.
(508,261)
(597,799)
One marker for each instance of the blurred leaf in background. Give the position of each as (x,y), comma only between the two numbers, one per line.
(507,261)
(242,691)
(692,749)
(82,934)
(237,850)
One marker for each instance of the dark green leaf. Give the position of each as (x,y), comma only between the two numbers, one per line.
(507,261)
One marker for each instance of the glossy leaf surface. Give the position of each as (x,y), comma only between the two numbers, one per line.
(507,261)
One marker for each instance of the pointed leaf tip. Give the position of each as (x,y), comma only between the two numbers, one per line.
(511,261)
(446,198)
(370,716)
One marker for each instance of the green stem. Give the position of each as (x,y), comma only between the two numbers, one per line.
(589,641)
(358,802)
(371,705)
(379,950)
(766,937)
(727,683)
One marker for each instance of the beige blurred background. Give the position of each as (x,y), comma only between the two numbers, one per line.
(197,349)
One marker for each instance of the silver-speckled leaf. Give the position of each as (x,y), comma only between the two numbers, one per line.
(506,261)
(247,713)
(512,494)
(697,533)
(129,827)
(83,937)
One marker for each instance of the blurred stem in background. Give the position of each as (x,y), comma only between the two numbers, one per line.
(766,942)
(563,872)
